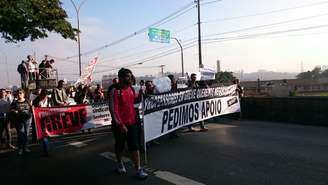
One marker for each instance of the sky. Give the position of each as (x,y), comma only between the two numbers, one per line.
(247,35)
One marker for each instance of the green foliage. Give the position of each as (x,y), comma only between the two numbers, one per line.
(315,74)
(21,19)
(224,77)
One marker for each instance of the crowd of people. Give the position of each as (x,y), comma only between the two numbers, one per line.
(30,70)
(16,111)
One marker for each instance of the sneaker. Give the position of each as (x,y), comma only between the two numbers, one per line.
(27,150)
(20,151)
(203,129)
(10,146)
(121,169)
(141,174)
(192,129)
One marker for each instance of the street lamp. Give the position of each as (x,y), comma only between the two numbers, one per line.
(77,10)
(181,54)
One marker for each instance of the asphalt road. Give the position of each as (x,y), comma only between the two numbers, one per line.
(230,153)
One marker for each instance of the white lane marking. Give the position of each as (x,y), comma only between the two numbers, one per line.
(165,175)
(77,144)
(176,179)
(111,156)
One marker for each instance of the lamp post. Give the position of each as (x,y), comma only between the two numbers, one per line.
(182,67)
(77,10)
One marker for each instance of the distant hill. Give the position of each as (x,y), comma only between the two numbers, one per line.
(264,75)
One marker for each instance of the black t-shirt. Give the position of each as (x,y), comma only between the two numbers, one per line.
(23,108)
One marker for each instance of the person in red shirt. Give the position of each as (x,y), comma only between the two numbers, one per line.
(125,128)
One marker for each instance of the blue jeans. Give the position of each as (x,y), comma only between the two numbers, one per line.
(45,145)
(22,128)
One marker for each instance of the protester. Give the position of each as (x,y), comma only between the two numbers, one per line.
(192,85)
(43,101)
(32,67)
(149,90)
(125,128)
(174,88)
(240,92)
(31,98)
(42,68)
(48,67)
(59,96)
(82,97)
(98,94)
(4,121)
(9,95)
(23,71)
(21,108)
(239,88)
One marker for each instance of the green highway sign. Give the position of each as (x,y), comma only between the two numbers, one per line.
(159,35)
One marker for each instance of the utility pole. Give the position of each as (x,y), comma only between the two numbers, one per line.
(6,61)
(77,10)
(162,69)
(182,67)
(6,64)
(199,35)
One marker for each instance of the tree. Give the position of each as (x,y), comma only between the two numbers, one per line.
(224,77)
(324,74)
(33,19)
(310,75)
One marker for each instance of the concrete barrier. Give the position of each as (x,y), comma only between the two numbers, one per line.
(302,110)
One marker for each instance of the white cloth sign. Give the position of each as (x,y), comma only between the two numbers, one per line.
(170,111)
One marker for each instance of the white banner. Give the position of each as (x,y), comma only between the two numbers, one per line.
(207,73)
(170,111)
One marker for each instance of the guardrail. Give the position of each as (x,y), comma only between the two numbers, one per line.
(302,110)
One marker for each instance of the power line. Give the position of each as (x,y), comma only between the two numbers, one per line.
(267,25)
(143,45)
(209,41)
(210,2)
(160,22)
(267,13)
(223,33)
(269,33)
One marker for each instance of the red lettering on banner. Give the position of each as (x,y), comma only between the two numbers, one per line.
(58,122)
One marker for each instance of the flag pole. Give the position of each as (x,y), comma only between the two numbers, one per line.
(143,130)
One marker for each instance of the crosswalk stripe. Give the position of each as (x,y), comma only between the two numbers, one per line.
(78,144)
(164,175)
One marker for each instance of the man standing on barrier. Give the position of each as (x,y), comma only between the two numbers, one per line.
(125,128)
